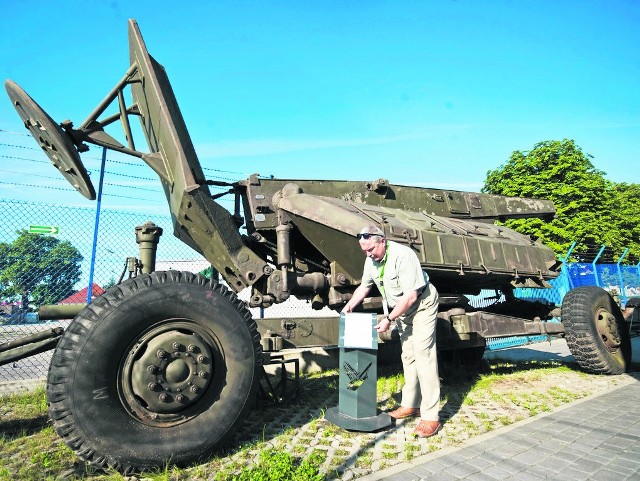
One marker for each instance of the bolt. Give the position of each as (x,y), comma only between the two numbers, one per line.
(153,386)
(191,348)
(202,374)
(194,389)
(164,397)
(201,358)
(161,354)
(152,369)
(177,346)
(181,399)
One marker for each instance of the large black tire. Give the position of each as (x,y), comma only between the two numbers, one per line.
(596,332)
(159,369)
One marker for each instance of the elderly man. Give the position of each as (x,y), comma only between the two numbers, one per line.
(405,288)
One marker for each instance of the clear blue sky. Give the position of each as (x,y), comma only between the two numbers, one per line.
(428,93)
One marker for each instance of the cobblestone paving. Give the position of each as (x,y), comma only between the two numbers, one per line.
(298,426)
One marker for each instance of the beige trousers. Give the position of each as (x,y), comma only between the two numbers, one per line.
(419,357)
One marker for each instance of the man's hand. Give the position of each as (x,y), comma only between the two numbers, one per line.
(383,325)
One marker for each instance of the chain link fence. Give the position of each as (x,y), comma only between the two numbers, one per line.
(47,256)
(49,253)
(621,281)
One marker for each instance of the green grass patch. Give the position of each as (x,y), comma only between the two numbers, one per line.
(277,465)
(280,440)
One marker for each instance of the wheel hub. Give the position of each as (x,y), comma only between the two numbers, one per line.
(608,329)
(172,372)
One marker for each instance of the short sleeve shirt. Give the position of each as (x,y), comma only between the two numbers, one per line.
(402,273)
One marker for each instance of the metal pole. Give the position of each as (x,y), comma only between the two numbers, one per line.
(95,227)
(623,293)
(566,256)
(565,269)
(593,264)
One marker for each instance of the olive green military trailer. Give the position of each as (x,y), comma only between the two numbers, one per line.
(164,365)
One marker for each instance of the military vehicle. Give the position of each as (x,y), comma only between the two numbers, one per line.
(163,366)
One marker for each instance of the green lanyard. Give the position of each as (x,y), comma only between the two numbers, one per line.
(383,263)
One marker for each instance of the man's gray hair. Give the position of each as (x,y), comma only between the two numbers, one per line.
(372,229)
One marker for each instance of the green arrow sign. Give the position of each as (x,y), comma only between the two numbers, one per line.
(44,229)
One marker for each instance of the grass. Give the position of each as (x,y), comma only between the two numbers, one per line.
(296,441)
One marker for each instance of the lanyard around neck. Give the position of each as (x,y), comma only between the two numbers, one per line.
(383,263)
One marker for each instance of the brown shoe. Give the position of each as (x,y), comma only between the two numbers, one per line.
(426,429)
(403,412)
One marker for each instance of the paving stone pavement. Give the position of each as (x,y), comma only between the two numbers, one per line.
(596,438)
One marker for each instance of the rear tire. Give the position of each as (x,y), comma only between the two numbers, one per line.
(159,369)
(596,332)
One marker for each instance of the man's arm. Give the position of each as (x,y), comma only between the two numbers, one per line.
(403,305)
(358,296)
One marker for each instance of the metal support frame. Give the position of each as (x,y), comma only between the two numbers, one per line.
(287,387)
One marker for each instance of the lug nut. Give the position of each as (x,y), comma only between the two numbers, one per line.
(153,386)
(191,348)
(177,346)
(152,369)
(181,399)
(194,389)
(201,358)
(163,397)
(161,354)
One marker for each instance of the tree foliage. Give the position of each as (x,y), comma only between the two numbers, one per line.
(37,269)
(591,210)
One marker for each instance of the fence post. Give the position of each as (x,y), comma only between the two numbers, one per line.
(593,264)
(95,227)
(623,291)
(567,280)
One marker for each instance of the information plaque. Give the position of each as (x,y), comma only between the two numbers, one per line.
(357,403)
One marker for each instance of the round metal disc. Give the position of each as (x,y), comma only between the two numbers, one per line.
(53,140)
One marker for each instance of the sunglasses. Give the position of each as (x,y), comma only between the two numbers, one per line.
(367,236)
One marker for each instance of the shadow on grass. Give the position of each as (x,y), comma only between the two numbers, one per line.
(12,429)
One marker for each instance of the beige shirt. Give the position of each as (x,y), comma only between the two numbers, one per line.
(400,271)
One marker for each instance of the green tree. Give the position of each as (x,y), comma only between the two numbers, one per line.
(627,208)
(37,269)
(110,283)
(587,204)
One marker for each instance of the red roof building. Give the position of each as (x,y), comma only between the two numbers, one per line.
(80,297)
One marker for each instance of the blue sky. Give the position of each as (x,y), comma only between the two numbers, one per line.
(427,93)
